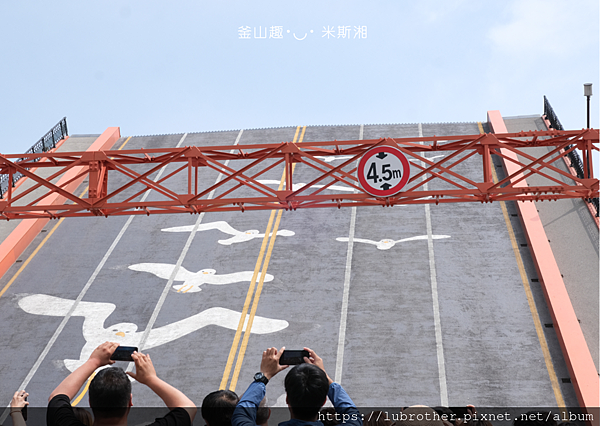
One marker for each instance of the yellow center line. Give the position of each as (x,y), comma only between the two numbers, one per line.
(528,293)
(238,333)
(83,392)
(31,256)
(12,280)
(250,293)
(240,358)
(124,143)
(251,288)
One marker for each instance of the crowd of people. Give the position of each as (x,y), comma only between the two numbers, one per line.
(307,387)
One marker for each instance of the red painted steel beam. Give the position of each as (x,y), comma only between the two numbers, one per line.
(21,237)
(572,341)
(118,178)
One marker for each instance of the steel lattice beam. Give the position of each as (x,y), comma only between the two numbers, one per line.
(117,179)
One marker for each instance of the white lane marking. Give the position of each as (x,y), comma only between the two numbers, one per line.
(388,243)
(63,323)
(193,280)
(339,362)
(126,334)
(333,158)
(414,160)
(434,293)
(297,186)
(165,292)
(221,225)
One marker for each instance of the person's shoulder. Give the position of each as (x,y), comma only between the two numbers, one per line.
(60,412)
(175,417)
(59,400)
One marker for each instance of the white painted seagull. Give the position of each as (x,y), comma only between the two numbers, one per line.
(297,186)
(126,334)
(221,225)
(333,158)
(387,243)
(193,280)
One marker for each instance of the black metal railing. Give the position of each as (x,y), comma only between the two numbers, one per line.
(574,158)
(46,143)
(551,115)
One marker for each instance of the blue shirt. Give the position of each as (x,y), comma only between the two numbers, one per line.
(245,411)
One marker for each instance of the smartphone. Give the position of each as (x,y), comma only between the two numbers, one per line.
(123,353)
(460,412)
(24,411)
(289,357)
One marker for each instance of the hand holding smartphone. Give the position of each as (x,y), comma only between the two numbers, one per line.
(292,357)
(123,353)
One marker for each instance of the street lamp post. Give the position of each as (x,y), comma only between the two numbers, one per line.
(587,92)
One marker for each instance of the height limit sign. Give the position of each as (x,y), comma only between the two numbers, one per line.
(383,171)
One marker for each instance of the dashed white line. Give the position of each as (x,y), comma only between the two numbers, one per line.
(434,294)
(184,252)
(339,364)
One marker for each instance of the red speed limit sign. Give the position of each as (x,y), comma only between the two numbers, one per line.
(383,171)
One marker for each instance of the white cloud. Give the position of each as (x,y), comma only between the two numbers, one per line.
(549,27)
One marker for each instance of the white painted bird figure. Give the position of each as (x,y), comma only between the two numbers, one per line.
(221,225)
(329,159)
(193,280)
(297,186)
(387,243)
(126,334)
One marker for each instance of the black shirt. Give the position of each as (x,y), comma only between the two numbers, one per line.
(60,413)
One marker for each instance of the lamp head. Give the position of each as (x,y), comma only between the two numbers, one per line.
(587,89)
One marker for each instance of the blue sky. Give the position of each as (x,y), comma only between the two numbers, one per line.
(155,67)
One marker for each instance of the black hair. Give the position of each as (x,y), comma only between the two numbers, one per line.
(110,393)
(218,406)
(83,415)
(306,386)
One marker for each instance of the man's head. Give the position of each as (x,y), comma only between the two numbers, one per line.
(306,386)
(218,406)
(420,415)
(110,393)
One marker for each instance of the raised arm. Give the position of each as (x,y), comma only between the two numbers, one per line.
(171,396)
(73,382)
(245,411)
(337,395)
(315,359)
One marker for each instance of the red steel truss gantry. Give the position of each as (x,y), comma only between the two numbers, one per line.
(235,177)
